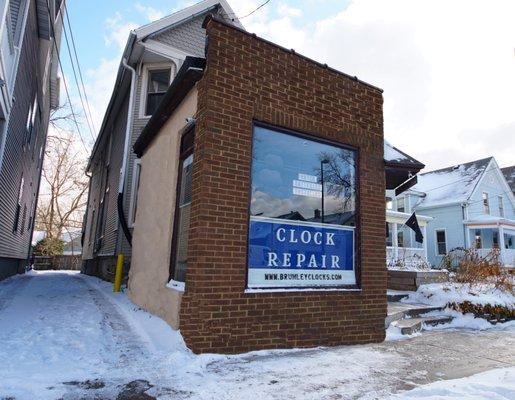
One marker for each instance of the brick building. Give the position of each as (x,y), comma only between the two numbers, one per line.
(260,216)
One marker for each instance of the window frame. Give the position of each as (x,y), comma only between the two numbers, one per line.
(437,242)
(486,203)
(403,199)
(357,227)
(500,201)
(146,69)
(183,156)
(136,178)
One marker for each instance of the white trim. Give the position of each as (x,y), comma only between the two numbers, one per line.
(302,223)
(147,67)
(436,241)
(176,285)
(310,289)
(164,50)
(500,205)
(183,14)
(134,193)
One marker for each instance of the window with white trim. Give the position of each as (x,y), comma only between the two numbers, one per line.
(135,187)
(501,206)
(157,82)
(401,204)
(486,203)
(441,242)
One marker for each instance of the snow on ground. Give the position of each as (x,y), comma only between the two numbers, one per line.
(498,384)
(440,294)
(67,336)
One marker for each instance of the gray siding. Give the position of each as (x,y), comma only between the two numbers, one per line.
(188,37)
(21,157)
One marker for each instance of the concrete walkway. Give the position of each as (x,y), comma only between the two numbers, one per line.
(63,337)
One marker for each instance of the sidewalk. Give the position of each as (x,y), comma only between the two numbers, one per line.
(66,335)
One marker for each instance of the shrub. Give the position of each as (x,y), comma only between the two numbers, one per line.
(49,247)
(469,267)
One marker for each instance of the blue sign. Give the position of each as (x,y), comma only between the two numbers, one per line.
(285,254)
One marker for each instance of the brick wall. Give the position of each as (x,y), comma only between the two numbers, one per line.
(250,79)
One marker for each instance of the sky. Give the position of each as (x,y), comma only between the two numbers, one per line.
(447,67)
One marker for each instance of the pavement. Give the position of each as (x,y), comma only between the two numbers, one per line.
(84,356)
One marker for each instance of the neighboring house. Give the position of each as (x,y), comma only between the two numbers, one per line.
(402,250)
(30,32)
(509,174)
(472,205)
(153,55)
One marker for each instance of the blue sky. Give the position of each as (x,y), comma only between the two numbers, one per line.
(447,68)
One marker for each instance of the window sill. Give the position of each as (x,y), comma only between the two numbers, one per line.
(326,289)
(176,285)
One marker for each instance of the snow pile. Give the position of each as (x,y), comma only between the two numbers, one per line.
(441,294)
(391,153)
(498,384)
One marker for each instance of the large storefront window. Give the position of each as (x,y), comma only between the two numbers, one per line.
(303,212)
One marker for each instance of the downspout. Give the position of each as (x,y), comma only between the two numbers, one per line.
(128,131)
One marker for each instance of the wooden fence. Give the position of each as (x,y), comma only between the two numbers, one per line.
(68,262)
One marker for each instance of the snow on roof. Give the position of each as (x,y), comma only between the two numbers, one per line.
(452,184)
(509,174)
(393,154)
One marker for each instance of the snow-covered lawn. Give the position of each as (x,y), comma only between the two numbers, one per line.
(65,335)
(498,384)
(440,294)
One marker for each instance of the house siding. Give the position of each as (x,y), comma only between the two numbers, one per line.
(448,218)
(20,157)
(491,184)
(188,37)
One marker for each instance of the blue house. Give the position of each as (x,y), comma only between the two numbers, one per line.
(471,205)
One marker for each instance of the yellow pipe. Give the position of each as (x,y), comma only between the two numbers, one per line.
(118,275)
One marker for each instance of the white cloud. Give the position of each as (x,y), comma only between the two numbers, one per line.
(118,31)
(447,68)
(150,13)
(287,11)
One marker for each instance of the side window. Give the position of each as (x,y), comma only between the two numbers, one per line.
(401,206)
(501,206)
(158,81)
(441,244)
(31,119)
(18,206)
(179,259)
(135,188)
(486,203)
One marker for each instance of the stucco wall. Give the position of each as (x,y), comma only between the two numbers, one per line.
(154,219)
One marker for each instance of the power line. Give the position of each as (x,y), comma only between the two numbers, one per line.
(78,65)
(252,12)
(74,117)
(90,125)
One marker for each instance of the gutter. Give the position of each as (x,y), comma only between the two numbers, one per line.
(123,169)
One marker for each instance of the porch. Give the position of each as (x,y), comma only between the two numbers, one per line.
(489,233)
(402,250)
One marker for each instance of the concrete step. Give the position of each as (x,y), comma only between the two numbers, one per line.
(398,311)
(396,295)
(412,325)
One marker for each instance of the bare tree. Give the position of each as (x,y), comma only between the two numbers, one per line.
(63,188)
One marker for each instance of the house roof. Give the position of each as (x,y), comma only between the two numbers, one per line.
(393,155)
(189,74)
(452,184)
(181,16)
(141,34)
(509,174)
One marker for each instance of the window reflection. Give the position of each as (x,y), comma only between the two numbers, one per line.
(301,179)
